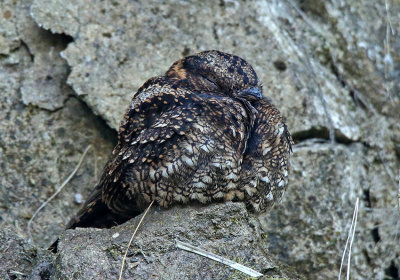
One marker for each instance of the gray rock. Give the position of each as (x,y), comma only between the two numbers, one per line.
(38,148)
(120,45)
(44,84)
(44,80)
(224,229)
(20,260)
(9,40)
(309,229)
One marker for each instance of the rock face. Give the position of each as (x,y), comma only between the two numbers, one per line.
(224,229)
(20,260)
(331,67)
(44,129)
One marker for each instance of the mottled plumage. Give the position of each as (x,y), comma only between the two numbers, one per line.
(201,132)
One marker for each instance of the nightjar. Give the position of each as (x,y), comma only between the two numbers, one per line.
(201,132)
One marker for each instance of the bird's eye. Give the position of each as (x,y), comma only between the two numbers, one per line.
(211,85)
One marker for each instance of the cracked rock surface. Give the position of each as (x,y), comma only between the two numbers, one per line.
(42,140)
(68,70)
(223,229)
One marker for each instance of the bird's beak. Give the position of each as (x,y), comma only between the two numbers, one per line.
(254,91)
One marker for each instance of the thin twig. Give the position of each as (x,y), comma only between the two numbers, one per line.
(387,7)
(57,192)
(355,214)
(305,18)
(349,240)
(232,264)
(17,272)
(130,241)
(388,60)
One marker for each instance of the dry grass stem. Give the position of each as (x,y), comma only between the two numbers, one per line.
(57,192)
(17,273)
(130,241)
(349,241)
(232,264)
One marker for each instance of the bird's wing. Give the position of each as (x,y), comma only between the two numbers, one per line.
(271,135)
(165,129)
(266,157)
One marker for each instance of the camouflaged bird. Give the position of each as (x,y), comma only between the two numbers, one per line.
(201,132)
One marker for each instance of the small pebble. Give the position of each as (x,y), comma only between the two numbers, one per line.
(78,198)
(115,235)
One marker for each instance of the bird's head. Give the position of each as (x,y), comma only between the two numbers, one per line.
(227,74)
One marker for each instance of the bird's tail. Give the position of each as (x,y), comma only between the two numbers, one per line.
(95,213)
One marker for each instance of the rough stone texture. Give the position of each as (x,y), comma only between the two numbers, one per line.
(38,148)
(20,260)
(325,181)
(224,229)
(107,67)
(332,67)
(44,84)
(311,225)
